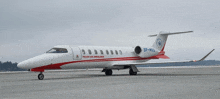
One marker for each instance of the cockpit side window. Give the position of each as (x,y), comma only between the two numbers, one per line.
(57,50)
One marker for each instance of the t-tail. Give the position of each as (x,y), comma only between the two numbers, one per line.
(157,50)
(161,39)
(160,43)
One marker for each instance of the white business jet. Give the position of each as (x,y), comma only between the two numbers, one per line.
(108,58)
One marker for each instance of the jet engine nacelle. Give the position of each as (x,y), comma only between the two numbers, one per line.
(145,52)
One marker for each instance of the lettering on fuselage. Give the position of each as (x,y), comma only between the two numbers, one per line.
(93,56)
(149,49)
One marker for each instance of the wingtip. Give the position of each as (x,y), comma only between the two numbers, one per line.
(189,31)
(206,55)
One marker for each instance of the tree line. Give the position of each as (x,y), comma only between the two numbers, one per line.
(9,66)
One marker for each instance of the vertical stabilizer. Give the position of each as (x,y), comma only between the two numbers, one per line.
(160,41)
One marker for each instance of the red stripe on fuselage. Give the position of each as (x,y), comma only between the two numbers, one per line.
(58,65)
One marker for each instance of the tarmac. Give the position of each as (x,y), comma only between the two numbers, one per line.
(151,83)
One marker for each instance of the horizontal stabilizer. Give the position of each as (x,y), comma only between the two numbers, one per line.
(167,33)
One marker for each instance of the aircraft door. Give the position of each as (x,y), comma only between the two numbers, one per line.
(76,53)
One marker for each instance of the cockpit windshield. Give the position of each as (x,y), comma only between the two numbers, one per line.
(57,50)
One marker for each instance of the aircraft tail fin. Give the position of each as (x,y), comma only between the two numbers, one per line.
(161,39)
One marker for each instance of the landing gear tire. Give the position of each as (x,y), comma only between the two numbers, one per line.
(108,72)
(40,76)
(131,72)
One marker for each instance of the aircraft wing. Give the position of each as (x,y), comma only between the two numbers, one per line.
(145,63)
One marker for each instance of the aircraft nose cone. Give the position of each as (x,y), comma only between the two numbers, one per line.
(21,65)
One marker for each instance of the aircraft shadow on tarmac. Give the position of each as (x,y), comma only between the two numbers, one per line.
(79,76)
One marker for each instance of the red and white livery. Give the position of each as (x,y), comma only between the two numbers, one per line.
(108,58)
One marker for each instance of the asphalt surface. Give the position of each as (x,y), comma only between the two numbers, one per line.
(150,83)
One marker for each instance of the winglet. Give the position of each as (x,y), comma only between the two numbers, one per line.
(206,55)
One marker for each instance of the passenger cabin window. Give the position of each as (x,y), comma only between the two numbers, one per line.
(96,52)
(112,52)
(83,51)
(101,51)
(107,52)
(120,52)
(90,52)
(116,52)
(57,50)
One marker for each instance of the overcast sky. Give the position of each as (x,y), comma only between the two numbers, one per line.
(31,27)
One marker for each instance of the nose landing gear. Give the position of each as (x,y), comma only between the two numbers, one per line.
(41,76)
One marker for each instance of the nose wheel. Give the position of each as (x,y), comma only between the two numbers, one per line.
(41,76)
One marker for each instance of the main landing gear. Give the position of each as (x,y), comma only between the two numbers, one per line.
(108,72)
(131,72)
(41,76)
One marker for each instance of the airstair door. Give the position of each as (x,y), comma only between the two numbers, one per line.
(77,55)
